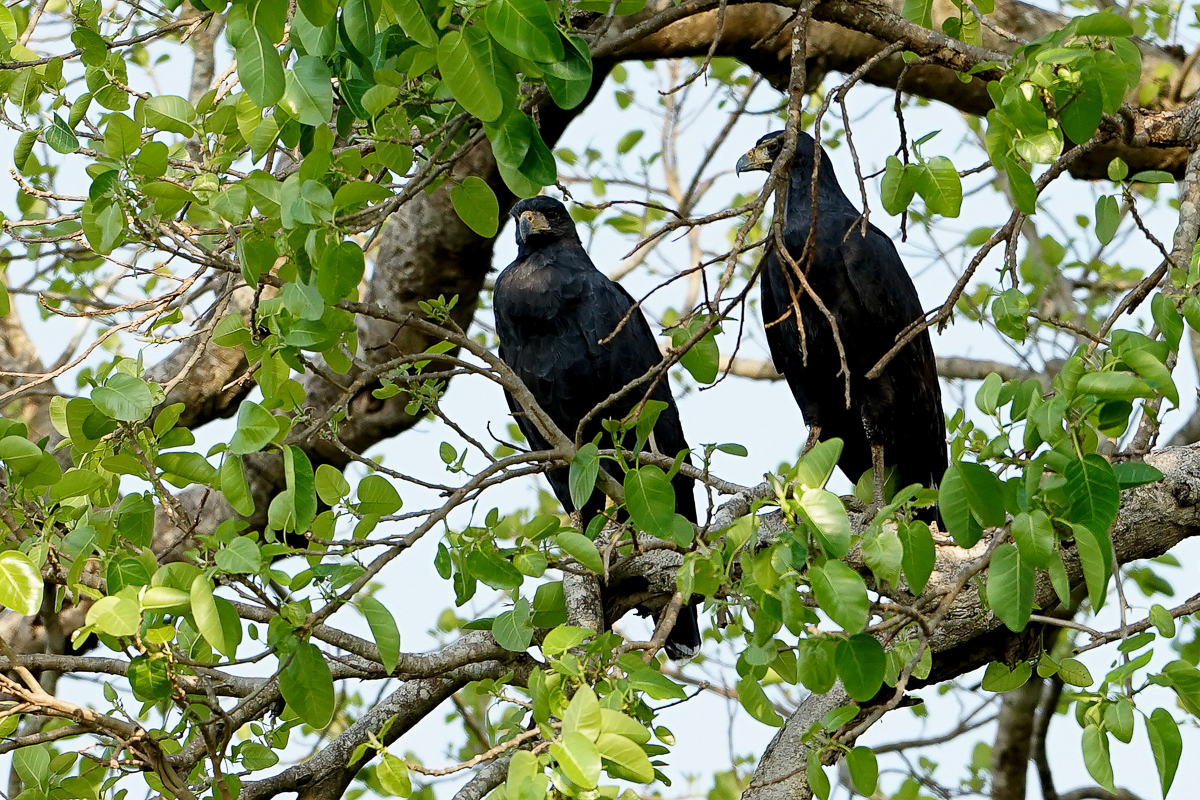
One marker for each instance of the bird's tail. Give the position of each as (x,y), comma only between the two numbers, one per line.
(683,642)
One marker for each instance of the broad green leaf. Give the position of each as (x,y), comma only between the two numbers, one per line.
(585,468)
(341,271)
(1081,116)
(582,549)
(60,137)
(125,572)
(1010,587)
(755,701)
(650,500)
(814,467)
(208,618)
(861,664)
(583,714)
(814,665)
(377,495)
(938,184)
(332,486)
(256,427)
(260,68)
(1096,756)
(235,487)
(1023,189)
(165,598)
(298,472)
(171,113)
(318,12)
(1094,493)
(383,630)
(1096,560)
(512,629)
(1074,673)
(1108,218)
(826,517)
(124,397)
(1104,23)
(526,28)
(564,637)
(240,557)
(415,23)
(149,678)
(570,80)
(897,187)
(919,554)
(842,594)
(883,553)
(1153,371)
(1035,538)
(955,507)
(309,92)
(1166,744)
(864,770)
(20,583)
(122,136)
(614,722)
(632,760)
(578,758)
(393,776)
(307,686)
(358,19)
(464,75)
(476,205)
(918,11)
(983,494)
(1114,386)
(999,678)
(20,455)
(115,616)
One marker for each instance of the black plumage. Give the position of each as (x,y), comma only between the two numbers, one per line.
(895,420)
(553,308)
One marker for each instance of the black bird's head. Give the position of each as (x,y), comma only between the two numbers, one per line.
(542,219)
(768,148)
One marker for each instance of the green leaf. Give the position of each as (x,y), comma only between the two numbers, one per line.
(1081,116)
(464,75)
(1074,673)
(632,760)
(897,187)
(826,517)
(842,594)
(614,722)
(149,678)
(298,472)
(650,500)
(1034,536)
(861,664)
(125,572)
(20,583)
(341,271)
(1010,587)
(1104,23)
(582,549)
(1094,493)
(565,637)
(570,80)
(1096,756)
(332,486)
(578,759)
(512,629)
(319,12)
(60,137)
(171,113)
(393,776)
(122,136)
(260,68)
(383,630)
(955,507)
(1114,386)
(235,487)
(999,678)
(1009,311)
(984,494)
(918,11)
(585,468)
(815,467)
(476,205)
(307,686)
(1096,560)
(526,28)
(583,714)
(1153,371)
(1023,188)
(20,455)
(919,556)
(938,184)
(1108,218)
(377,496)
(308,92)
(883,553)
(256,427)
(414,22)
(864,770)
(240,557)
(125,398)
(208,618)
(755,701)
(115,616)
(1167,745)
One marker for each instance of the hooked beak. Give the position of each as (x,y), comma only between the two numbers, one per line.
(753,160)
(531,222)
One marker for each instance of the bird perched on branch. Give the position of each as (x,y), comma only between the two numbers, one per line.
(574,338)
(894,420)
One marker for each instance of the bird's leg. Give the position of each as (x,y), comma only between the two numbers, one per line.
(814,433)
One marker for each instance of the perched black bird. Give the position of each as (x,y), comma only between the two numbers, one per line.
(552,309)
(895,420)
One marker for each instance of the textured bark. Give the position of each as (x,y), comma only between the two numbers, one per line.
(1014,738)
